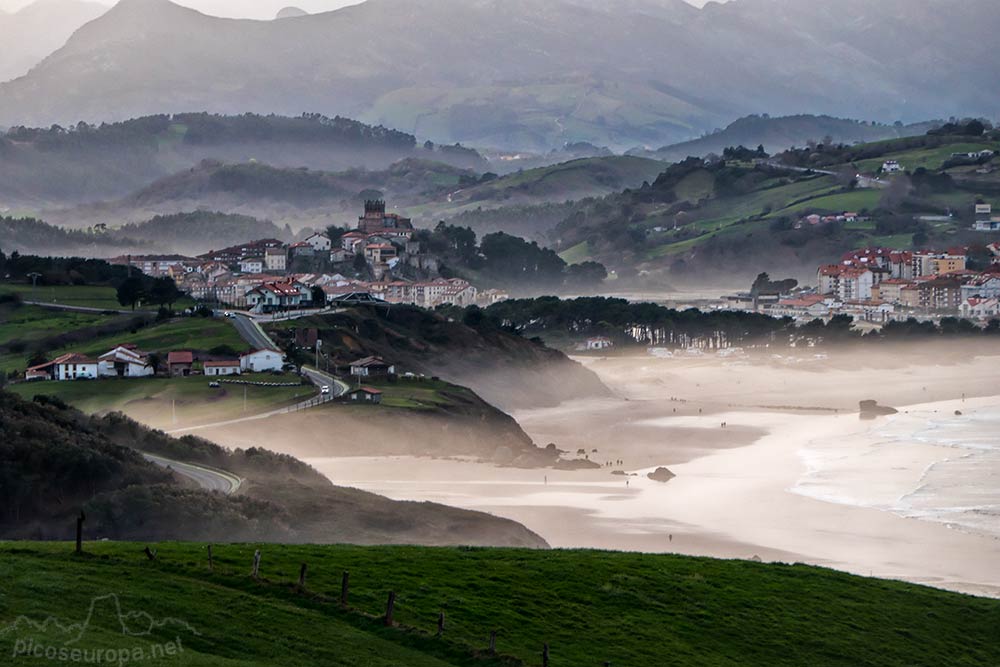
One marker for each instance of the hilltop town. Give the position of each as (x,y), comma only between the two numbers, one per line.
(376,260)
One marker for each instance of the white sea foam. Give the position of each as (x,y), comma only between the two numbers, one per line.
(929,464)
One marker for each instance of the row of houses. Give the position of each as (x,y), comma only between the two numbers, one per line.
(883,281)
(267,293)
(127,361)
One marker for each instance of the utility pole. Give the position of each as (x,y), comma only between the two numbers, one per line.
(34,284)
(244,399)
(319,344)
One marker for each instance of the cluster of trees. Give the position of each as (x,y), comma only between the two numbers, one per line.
(508,261)
(648,323)
(743,154)
(139,288)
(970,127)
(200,229)
(33,235)
(60,270)
(645,323)
(213,129)
(763,285)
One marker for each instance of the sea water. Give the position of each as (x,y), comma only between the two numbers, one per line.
(930,464)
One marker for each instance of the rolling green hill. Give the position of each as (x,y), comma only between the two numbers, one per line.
(783,132)
(698,216)
(591,608)
(576,179)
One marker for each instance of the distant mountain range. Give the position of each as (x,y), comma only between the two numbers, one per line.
(529,74)
(32,33)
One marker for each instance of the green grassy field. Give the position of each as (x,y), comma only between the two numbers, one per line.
(577,254)
(156,401)
(83,296)
(417,394)
(590,607)
(928,158)
(29,322)
(193,333)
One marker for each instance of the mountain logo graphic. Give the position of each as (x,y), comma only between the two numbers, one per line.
(105,613)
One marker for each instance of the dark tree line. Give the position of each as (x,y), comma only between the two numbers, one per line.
(60,270)
(652,324)
(508,261)
(213,129)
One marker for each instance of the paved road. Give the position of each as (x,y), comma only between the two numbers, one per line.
(251,332)
(207,478)
(318,378)
(86,309)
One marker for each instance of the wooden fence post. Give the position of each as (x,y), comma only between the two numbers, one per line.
(440,624)
(493,642)
(255,572)
(302,576)
(390,606)
(545,655)
(79,532)
(344,586)
(211,567)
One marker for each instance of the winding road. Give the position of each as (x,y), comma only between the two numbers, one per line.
(251,332)
(210,479)
(318,378)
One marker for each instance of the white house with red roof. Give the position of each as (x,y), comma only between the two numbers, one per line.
(222,368)
(276,296)
(124,361)
(70,366)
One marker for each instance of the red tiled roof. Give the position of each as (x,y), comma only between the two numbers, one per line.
(181,357)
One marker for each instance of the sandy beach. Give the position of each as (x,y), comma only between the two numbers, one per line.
(795,475)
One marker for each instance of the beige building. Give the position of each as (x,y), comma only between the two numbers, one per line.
(275,260)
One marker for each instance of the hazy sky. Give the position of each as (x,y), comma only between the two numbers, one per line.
(257,9)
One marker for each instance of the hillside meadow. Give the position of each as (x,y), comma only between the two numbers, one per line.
(592,608)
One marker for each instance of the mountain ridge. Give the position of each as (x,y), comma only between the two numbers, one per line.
(517,74)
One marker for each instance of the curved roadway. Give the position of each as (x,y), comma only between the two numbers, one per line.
(210,479)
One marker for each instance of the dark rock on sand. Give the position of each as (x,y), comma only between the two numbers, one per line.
(661,474)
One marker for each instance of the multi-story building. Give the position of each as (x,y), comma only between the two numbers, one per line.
(939,295)
(377,221)
(275,260)
(157,266)
(848,283)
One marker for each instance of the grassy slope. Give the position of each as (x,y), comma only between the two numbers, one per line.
(630,609)
(575,179)
(817,194)
(84,296)
(66,295)
(29,322)
(422,394)
(152,400)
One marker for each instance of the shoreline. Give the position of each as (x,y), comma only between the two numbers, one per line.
(739,490)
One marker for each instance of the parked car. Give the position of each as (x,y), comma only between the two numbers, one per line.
(214,385)
(324,389)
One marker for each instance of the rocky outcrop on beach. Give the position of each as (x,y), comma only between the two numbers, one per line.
(661,474)
(871,409)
